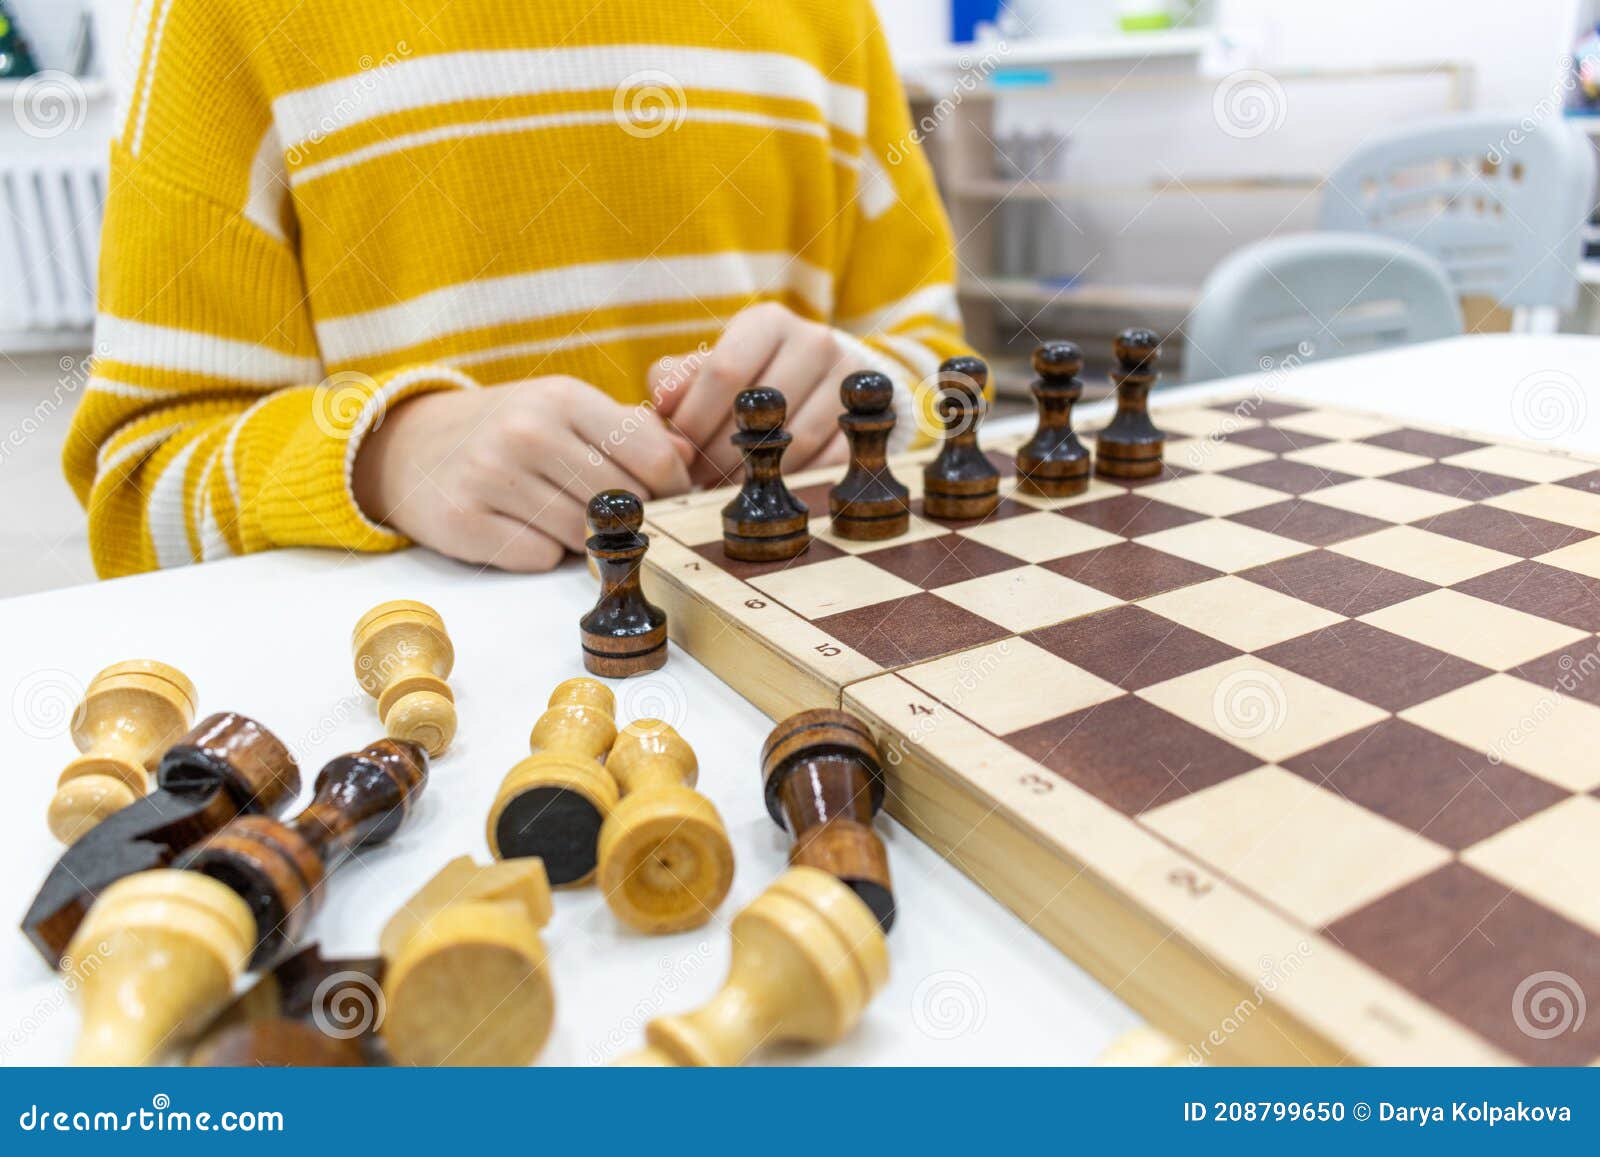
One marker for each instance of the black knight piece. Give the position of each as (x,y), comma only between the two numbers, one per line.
(961,483)
(868,503)
(764,522)
(1053,462)
(625,634)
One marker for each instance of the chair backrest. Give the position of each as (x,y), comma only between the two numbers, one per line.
(1294,299)
(1499,204)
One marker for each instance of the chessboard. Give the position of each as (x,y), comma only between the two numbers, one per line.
(1291,746)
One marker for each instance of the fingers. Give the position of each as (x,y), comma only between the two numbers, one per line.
(492,539)
(737,362)
(632,449)
(556,512)
(816,423)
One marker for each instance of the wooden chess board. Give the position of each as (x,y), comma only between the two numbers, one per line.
(1291,747)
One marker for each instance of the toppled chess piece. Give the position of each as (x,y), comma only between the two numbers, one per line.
(823,784)
(665,860)
(227,766)
(361,800)
(403,656)
(155,959)
(625,634)
(1131,446)
(868,503)
(551,804)
(961,484)
(130,714)
(763,522)
(466,980)
(1053,463)
(808,957)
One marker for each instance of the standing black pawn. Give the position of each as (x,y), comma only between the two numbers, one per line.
(1053,462)
(961,483)
(869,503)
(625,634)
(764,522)
(1131,446)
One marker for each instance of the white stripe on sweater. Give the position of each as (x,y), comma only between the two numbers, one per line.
(468,129)
(163,347)
(149,76)
(933,300)
(165,511)
(571,289)
(655,76)
(268,195)
(585,338)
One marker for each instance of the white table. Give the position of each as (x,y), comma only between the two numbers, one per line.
(269,636)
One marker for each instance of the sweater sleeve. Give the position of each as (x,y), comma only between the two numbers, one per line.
(897,297)
(207,426)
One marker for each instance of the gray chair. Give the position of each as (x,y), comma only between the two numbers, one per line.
(1499,204)
(1295,299)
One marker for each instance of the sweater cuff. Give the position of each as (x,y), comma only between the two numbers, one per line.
(907,414)
(310,498)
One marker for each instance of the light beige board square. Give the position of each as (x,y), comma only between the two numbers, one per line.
(827,588)
(1222,545)
(1270,712)
(1581,557)
(1511,720)
(1475,629)
(1560,504)
(1422,554)
(1359,458)
(1200,421)
(1097,490)
(1337,424)
(1011,684)
(1515,462)
(1037,537)
(692,525)
(916,531)
(1241,614)
(1025,598)
(1311,852)
(1389,501)
(1206,454)
(1552,857)
(1212,494)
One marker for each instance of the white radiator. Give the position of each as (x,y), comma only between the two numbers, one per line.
(49,237)
(54,134)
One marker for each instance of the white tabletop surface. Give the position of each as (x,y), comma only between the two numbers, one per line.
(269,636)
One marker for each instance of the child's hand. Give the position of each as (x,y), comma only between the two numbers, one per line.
(764,345)
(503,475)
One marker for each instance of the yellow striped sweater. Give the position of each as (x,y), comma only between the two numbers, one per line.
(318,210)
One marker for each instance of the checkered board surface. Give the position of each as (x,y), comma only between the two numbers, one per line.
(1321,704)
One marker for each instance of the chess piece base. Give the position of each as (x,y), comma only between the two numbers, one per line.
(553,807)
(618,657)
(665,860)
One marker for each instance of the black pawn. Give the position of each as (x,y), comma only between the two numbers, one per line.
(1131,446)
(961,483)
(764,522)
(625,634)
(869,503)
(1053,462)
